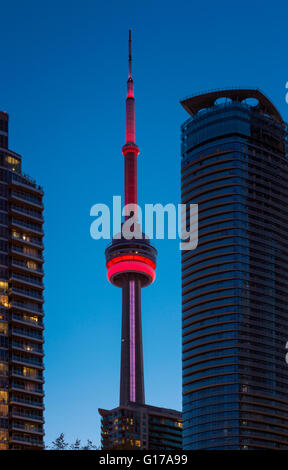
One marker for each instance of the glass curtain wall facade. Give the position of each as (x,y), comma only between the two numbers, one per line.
(21,303)
(235,284)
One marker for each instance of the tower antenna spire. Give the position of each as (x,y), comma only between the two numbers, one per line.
(130,55)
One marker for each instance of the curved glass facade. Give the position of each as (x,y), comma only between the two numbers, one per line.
(235,285)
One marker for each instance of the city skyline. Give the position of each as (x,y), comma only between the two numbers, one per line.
(61,122)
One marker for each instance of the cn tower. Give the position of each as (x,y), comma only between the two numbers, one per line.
(131,263)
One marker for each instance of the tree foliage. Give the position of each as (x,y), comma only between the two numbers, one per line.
(61,444)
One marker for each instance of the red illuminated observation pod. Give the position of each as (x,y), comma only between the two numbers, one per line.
(132,263)
(131,266)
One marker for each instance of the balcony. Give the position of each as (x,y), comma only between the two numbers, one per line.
(29,348)
(31,227)
(30,334)
(31,280)
(27,293)
(28,416)
(21,264)
(34,428)
(23,251)
(27,182)
(30,441)
(27,375)
(27,239)
(37,389)
(27,307)
(16,400)
(33,214)
(29,361)
(27,198)
(26,320)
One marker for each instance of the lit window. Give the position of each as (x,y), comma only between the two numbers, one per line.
(29,372)
(13,162)
(4,300)
(29,387)
(3,286)
(34,319)
(31,265)
(138,443)
(4,328)
(30,251)
(4,410)
(3,369)
(15,234)
(3,435)
(3,399)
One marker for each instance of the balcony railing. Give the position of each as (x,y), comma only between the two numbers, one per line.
(27,401)
(27,197)
(29,440)
(22,264)
(27,212)
(36,388)
(29,320)
(27,427)
(21,414)
(26,181)
(27,333)
(29,254)
(26,292)
(34,361)
(27,374)
(27,279)
(27,306)
(33,348)
(23,238)
(30,226)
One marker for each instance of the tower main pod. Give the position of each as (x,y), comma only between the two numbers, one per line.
(131,266)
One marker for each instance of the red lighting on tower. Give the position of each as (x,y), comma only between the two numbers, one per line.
(130,150)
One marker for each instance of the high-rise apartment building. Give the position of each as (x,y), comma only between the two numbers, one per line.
(235,284)
(131,263)
(141,427)
(21,303)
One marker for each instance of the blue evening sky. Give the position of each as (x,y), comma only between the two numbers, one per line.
(63,78)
